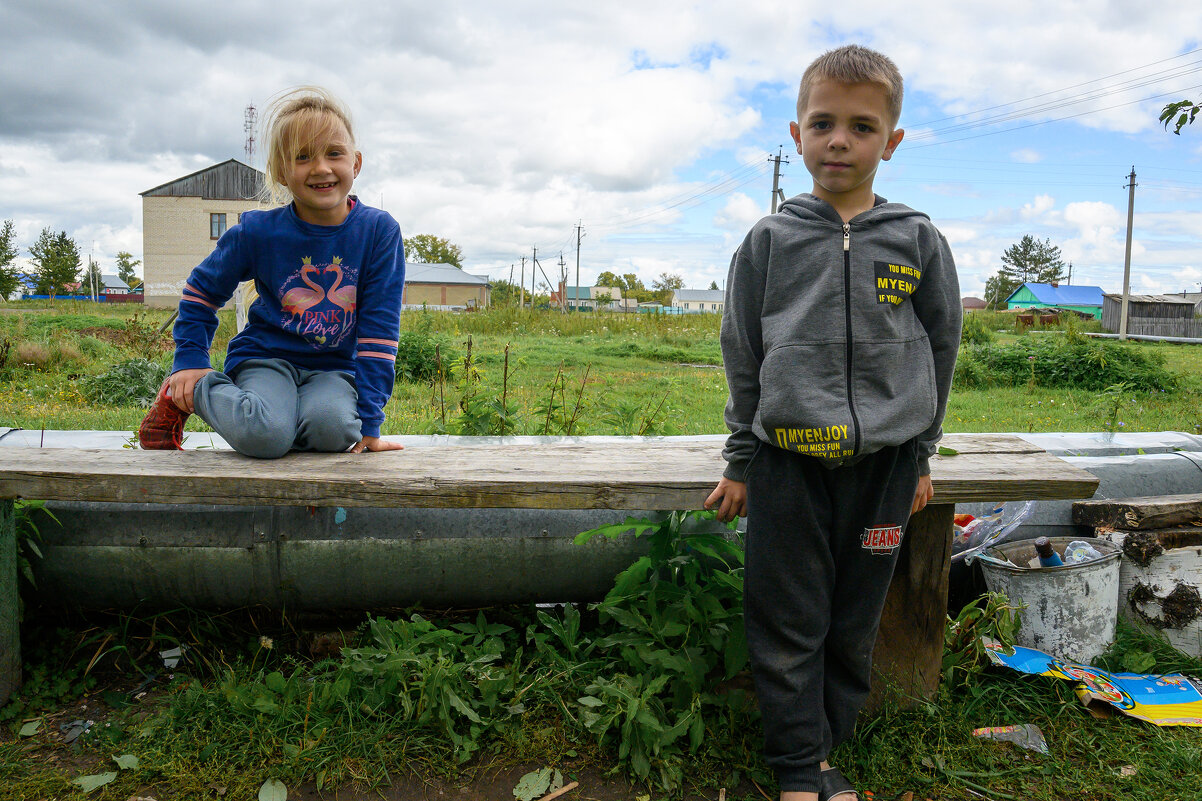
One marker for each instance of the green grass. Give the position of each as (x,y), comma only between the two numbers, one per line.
(638,366)
(241,712)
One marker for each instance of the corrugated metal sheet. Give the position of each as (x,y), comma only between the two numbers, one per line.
(229,180)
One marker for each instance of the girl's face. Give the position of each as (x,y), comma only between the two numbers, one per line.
(321,175)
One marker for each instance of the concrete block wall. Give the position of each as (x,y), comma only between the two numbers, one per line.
(175,238)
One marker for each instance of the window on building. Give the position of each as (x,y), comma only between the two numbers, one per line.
(216,226)
(714,306)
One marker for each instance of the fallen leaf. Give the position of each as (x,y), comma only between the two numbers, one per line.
(31,728)
(90,783)
(273,790)
(126,762)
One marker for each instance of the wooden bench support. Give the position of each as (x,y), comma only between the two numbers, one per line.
(10,633)
(908,658)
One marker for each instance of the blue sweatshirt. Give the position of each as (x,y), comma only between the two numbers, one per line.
(329,299)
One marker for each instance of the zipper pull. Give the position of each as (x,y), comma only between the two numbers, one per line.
(846,237)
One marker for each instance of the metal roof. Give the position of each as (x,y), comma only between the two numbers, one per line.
(1063,295)
(422,273)
(703,295)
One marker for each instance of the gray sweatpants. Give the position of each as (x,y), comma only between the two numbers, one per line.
(268,407)
(821,548)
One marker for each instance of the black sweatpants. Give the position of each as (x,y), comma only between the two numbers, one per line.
(821,547)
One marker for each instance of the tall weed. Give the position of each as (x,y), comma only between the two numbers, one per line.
(1073,362)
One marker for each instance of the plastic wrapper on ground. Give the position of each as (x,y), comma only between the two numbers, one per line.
(1174,700)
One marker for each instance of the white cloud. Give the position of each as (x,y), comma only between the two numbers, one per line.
(500,125)
(1038,208)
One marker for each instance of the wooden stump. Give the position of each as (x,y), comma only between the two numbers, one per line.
(908,658)
(10,634)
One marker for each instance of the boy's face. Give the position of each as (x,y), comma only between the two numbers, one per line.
(321,176)
(845,131)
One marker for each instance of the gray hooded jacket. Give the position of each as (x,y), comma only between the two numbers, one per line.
(839,340)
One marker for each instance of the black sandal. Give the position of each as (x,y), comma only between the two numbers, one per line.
(832,784)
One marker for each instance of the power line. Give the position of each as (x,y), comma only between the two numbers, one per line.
(1175,93)
(1062,89)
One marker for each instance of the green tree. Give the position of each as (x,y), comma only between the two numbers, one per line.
(431,249)
(667,282)
(93,281)
(503,293)
(125,267)
(713,285)
(1027,261)
(603,300)
(10,276)
(1184,110)
(56,264)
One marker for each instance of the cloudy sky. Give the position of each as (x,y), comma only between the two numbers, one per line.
(501,125)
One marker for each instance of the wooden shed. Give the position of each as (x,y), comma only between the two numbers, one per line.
(1153,315)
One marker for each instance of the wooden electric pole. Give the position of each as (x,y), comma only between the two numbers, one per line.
(578,235)
(777,194)
(522,286)
(1127,258)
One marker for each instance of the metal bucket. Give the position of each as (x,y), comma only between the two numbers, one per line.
(1071,610)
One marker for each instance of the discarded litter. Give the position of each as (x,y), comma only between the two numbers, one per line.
(1026,736)
(974,535)
(71,731)
(1079,551)
(1174,700)
(172,656)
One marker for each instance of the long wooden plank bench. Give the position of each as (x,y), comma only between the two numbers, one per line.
(593,473)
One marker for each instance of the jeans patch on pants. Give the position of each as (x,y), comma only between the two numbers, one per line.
(881,540)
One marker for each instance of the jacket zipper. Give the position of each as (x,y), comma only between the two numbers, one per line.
(851,402)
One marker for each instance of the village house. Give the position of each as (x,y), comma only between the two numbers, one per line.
(1084,299)
(698,301)
(588,298)
(443,286)
(183,219)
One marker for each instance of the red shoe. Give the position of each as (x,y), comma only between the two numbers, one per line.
(162,428)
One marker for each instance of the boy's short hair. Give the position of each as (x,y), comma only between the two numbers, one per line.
(296,120)
(854,64)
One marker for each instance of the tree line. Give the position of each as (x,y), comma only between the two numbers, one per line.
(54,265)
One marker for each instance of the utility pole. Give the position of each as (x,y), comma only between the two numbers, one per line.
(1127,258)
(522,287)
(578,235)
(563,285)
(777,194)
(533,264)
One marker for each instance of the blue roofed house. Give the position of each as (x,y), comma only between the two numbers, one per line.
(1084,299)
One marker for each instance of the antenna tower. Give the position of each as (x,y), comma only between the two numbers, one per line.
(248,126)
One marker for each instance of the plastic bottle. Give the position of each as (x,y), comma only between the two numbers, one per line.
(1080,551)
(1047,556)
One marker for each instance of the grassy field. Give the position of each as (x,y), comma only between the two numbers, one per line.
(464,703)
(616,374)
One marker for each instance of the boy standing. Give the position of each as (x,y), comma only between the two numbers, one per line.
(840,335)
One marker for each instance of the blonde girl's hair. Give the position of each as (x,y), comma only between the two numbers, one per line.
(854,64)
(295,121)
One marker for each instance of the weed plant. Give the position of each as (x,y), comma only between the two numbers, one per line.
(648,681)
(135,382)
(1070,363)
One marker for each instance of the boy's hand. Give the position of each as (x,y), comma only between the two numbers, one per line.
(181,385)
(733,495)
(922,495)
(376,444)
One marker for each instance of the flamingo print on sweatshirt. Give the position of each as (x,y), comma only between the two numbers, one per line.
(323,310)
